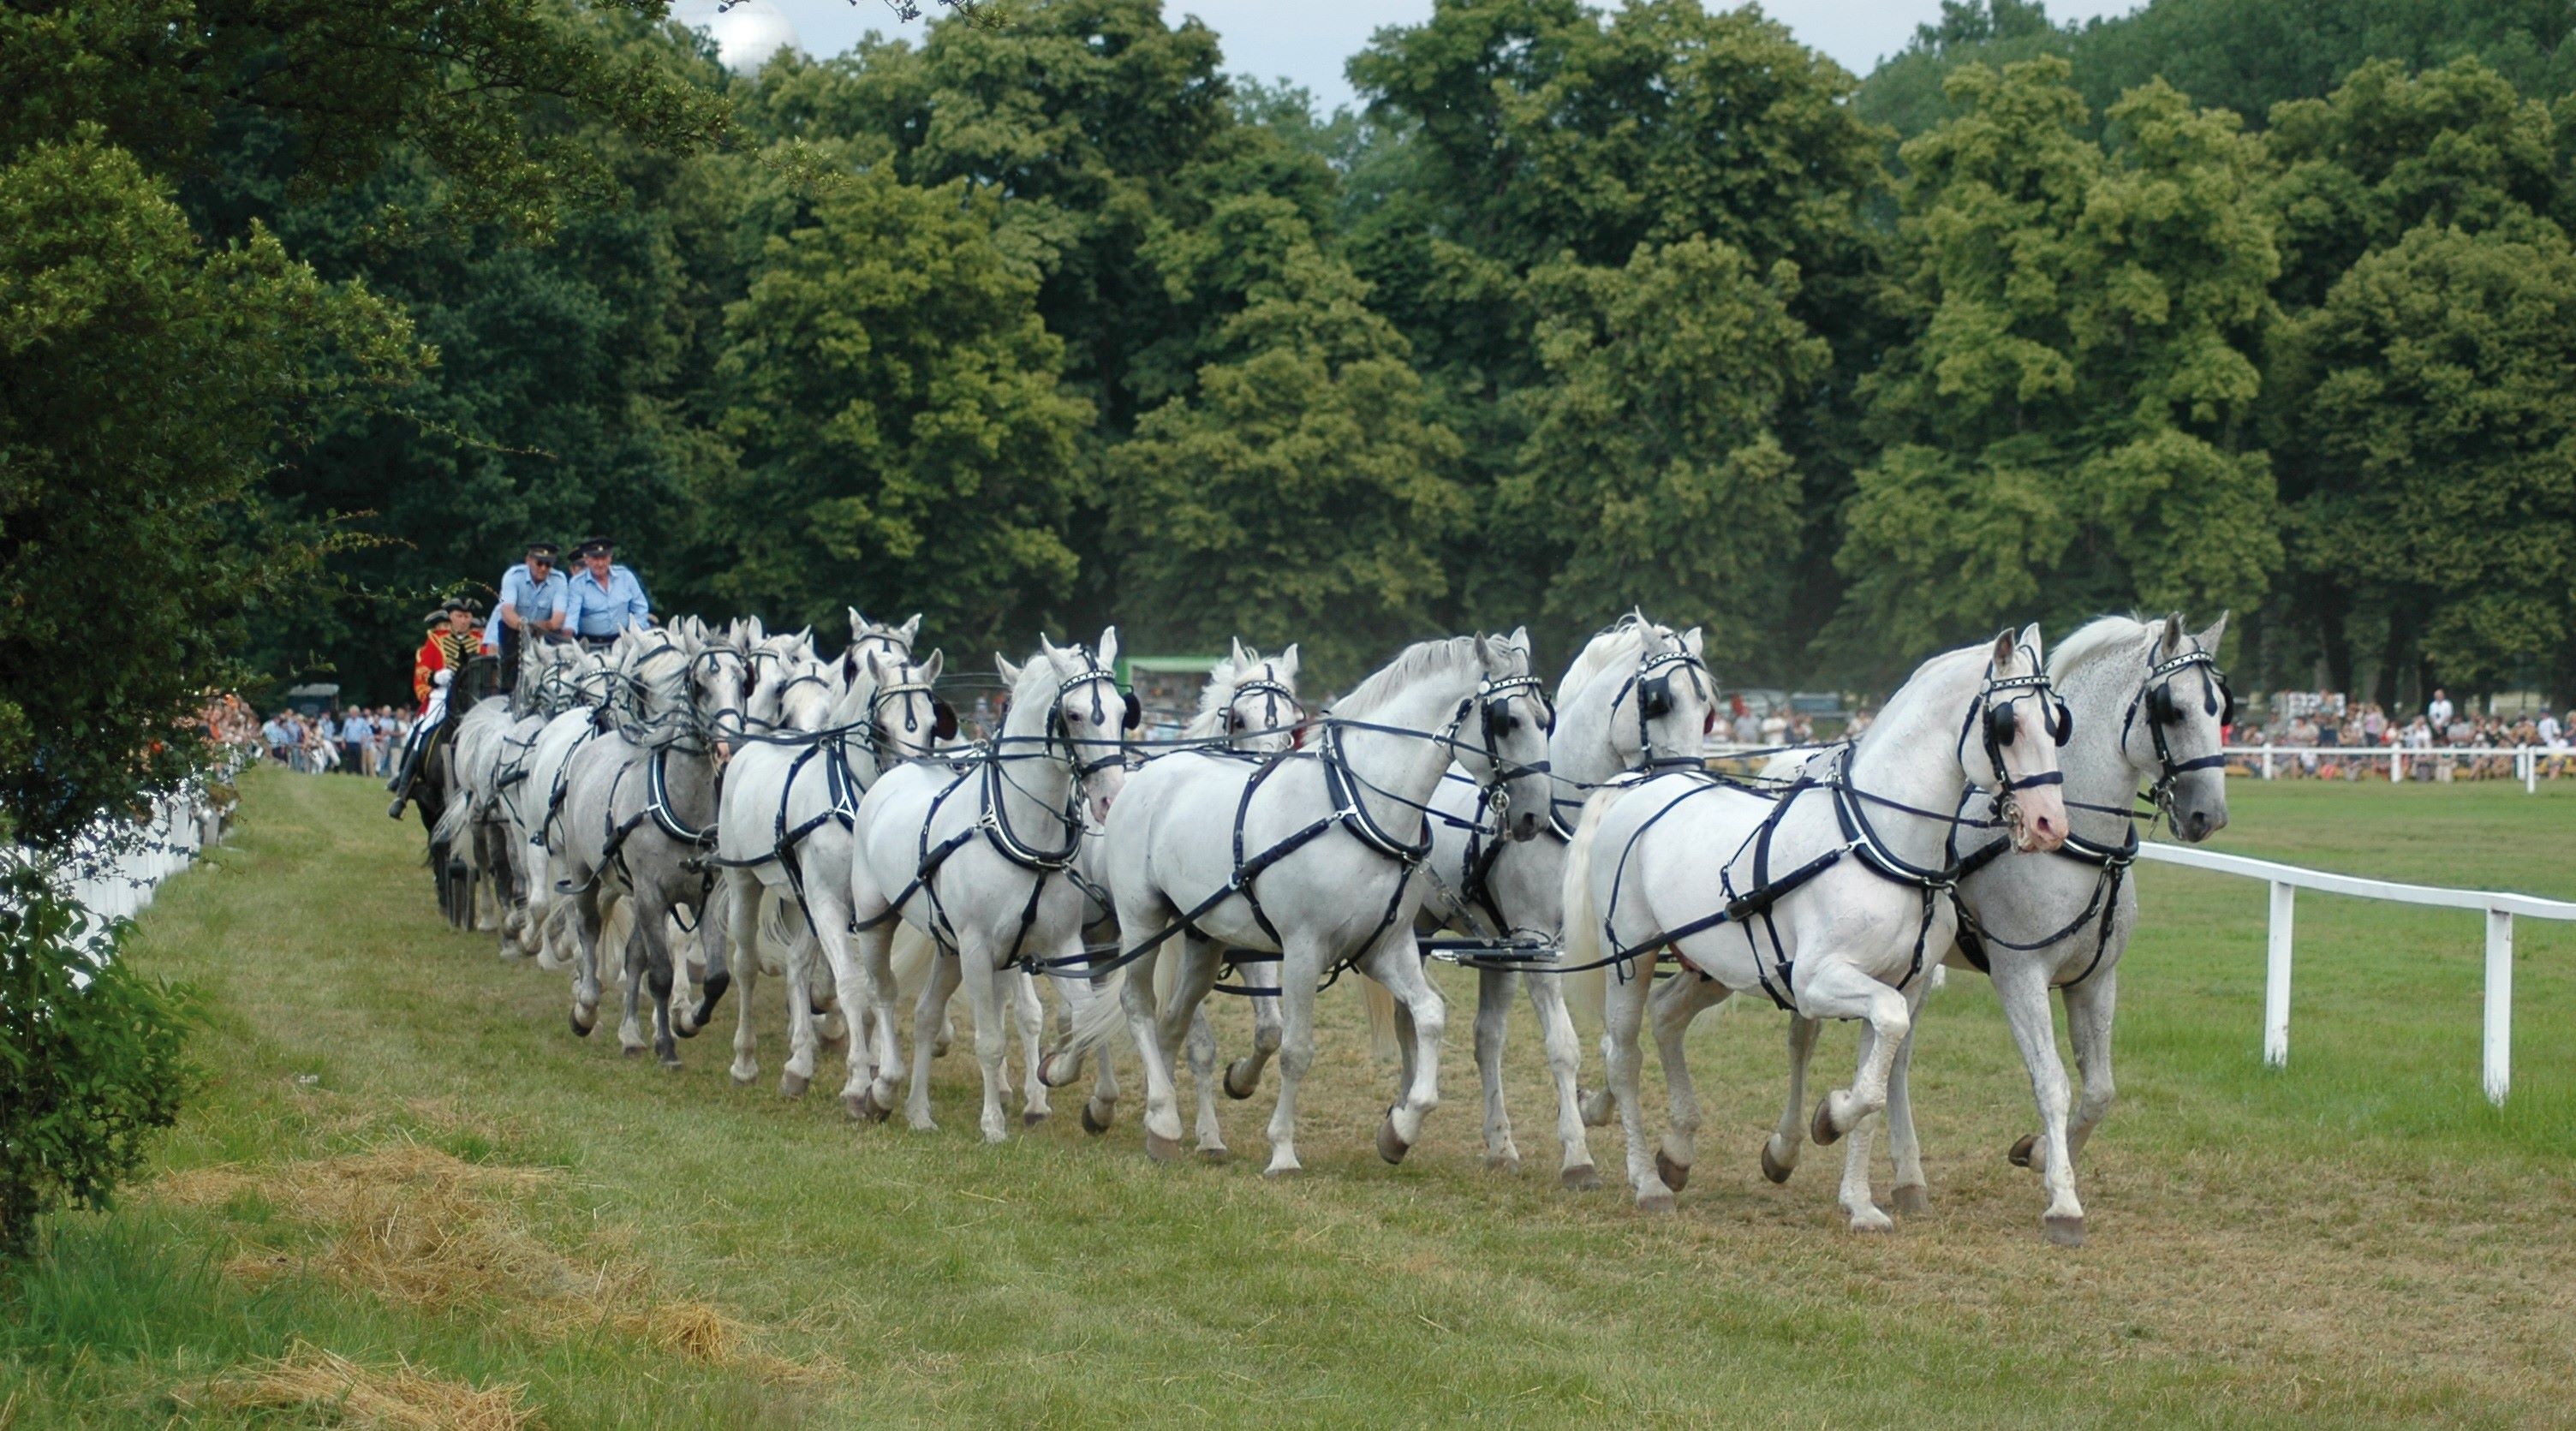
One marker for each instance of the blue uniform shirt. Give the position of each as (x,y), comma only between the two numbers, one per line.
(599,611)
(536,600)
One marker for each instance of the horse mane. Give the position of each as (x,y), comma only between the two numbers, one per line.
(1439,656)
(1214,699)
(1617,645)
(851,705)
(2099,637)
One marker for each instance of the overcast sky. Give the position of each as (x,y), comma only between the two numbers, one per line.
(1307,40)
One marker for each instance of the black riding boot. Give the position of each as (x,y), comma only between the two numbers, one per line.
(413,750)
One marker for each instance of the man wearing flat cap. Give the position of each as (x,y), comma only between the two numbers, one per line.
(534,605)
(606,597)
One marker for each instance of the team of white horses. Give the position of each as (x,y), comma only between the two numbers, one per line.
(816,816)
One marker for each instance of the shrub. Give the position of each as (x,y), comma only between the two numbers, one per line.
(90,1060)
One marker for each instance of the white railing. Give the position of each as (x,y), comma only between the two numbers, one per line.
(2527,759)
(2286,880)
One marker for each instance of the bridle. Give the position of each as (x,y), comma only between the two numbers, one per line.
(2157,696)
(1273,693)
(1095,676)
(1652,683)
(943,717)
(1994,717)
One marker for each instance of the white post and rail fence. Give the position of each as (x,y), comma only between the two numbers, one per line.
(2286,880)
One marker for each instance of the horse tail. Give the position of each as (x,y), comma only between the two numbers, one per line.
(1093,1021)
(451,826)
(780,928)
(1380,1002)
(1586,989)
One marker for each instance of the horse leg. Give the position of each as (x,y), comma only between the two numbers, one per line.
(1300,965)
(1397,963)
(1030,1012)
(1185,1019)
(1675,1004)
(825,908)
(585,969)
(714,915)
(1623,1016)
(630,1028)
(1865,1214)
(742,930)
(1830,988)
(946,971)
(1144,1025)
(1493,1017)
(656,959)
(985,994)
(1910,1195)
(1243,1075)
(1564,1065)
(2089,1008)
(1780,1152)
(2022,986)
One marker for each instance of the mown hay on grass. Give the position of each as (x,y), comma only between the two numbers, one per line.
(401,1397)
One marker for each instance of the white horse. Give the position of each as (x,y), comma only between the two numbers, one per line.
(1827,896)
(640,808)
(2148,703)
(973,853)
(1312,857)
(1637,697)
(791,794)
(1249,707)
(535,803)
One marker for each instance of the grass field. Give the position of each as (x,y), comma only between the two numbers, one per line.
(408,1191)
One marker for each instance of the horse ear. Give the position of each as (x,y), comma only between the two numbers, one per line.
(1047,648)
(858,623)
(1288,664)
(1520,638)
(909,629)
(1239,656)
(1010,673)
(1691,640)
(752,632)
(2030,637)
(1109,647)
(2210,638)
(2002,655)
(931,668)
(2171,642)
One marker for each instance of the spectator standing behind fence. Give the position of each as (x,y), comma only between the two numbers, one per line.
(2438,711)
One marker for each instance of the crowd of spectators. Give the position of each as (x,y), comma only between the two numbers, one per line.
(353,740)
(2453,743)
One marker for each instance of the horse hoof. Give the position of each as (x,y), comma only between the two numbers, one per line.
(1657,1201)
(632,1050)
(1389,1146)
(580,1028)
(1675,1175)
(1055,1072)
(1215,1153)
(1251,1080)
(1506,1163)
(1823,1129)
(1283,1174)
(745,1080)
(1872,1220)
(1911,1199)
(2064,1231)
(1030,1118)
(834,1047)
(1579,1179)
(1594,1107)
(2019,1157)
(860,1106)
(879,1109)
(670,1062)
(1774,1169)
(792,1085)
(1160,1148)
(1092,1122)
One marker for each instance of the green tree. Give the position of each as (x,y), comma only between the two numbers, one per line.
(1299,493)
(1654,462)
(2441,393)
(2068,426)
(891,393)
(145,383)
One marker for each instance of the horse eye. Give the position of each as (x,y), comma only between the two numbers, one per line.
(1236,717)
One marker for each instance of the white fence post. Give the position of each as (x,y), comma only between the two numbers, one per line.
(2499,1060)
(2530,771)
(2267,760)
(2276,980)
(2396,764)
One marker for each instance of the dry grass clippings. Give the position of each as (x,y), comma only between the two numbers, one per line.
(400,1396)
